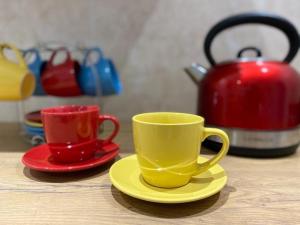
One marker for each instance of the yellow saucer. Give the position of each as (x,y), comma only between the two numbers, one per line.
(33,124)
(125,175)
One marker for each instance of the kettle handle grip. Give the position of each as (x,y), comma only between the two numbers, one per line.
(255,18)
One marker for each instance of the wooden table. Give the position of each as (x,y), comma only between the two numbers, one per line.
(259,191)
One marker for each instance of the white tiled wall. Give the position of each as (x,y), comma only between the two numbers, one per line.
(149,40)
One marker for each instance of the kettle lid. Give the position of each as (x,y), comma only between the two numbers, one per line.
(256,58)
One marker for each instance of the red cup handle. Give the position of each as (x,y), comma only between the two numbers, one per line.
(116,123)
(62,49)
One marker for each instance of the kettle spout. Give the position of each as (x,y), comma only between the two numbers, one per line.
(196,72)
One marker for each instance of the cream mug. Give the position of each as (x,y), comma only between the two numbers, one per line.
(16,81)
(168,145)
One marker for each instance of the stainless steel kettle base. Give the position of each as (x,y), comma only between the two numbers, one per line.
(252,152)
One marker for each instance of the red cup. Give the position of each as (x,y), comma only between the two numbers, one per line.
(71,131)
(61,79)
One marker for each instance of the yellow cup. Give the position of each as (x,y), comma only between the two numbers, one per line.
(16,82)
(168,145)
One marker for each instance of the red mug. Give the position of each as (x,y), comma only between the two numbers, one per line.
(61,79)
(71,131)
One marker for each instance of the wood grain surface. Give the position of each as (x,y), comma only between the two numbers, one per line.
(259,191)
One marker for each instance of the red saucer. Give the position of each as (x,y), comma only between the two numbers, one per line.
(34,116)
(39,158)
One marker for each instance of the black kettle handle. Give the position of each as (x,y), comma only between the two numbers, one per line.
(257,18)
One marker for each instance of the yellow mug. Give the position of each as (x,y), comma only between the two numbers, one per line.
(16,81)
(168,145)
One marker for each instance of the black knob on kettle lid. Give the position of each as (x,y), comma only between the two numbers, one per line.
(257,18)
(250,48)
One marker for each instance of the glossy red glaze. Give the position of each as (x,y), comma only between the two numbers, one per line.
(61,79)
(34,116)
(40,158)
(251,95)
(74,153)
(72,130)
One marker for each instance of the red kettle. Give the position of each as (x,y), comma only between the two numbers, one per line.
(256,101)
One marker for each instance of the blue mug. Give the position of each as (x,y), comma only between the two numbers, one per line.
(35,67)
(102,76)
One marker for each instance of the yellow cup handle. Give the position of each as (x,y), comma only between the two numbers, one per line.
(213,161)
(17,52)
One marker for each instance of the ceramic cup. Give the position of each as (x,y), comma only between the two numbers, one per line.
(61,79)
(71,131)
(168,145)
(16,81)
(99,78)
(35,67)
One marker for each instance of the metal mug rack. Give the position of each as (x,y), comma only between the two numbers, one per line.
(77,51)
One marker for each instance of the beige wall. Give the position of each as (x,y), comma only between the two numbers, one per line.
(149,40)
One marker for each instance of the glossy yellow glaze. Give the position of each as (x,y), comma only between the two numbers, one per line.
(16,82)
(33,124)
(168,144)
(133,184)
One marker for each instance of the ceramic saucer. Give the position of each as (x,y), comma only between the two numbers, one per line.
(39,158)
(33,124)
(125,175)
(34,116)
(33,131)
